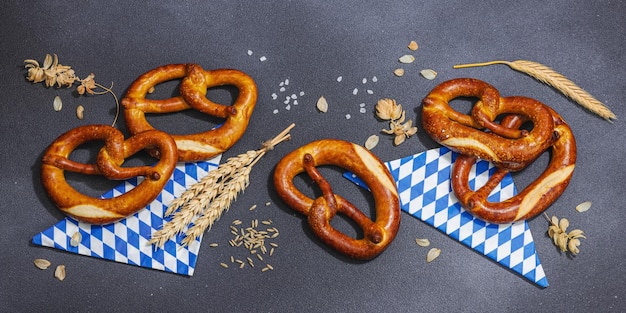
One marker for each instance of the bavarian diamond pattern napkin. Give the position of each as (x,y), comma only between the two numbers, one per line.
(423,182)
(126,241)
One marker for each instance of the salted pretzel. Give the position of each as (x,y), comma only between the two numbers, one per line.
(193,89)
(505,144)
(378,234)
(109,164)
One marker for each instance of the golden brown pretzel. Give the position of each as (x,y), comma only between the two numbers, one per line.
(378,234)
(109,164)
(193,89)
(512,149)
(535,198)
(508,147)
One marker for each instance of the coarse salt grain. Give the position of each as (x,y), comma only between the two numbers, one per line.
(362,110)
(263,59)
(275,111)
(355,91)
(282,89)
(365,80)
(348,116)
(274,96)
(369,91)
(374,79)
(339,78)
(249,52)
(301,93)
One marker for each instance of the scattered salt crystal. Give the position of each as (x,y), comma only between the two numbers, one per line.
(362,105)
(362,110)
(281,84)
(293,96)
(282,89)
(249,52)
(369,91)
(288,107)
(364,80)
(374,79)
(348,116)
(274,96)
(355,91)
(339,78)
(295,102)
(286,81)
(262,59)
(275,111)
(301,93)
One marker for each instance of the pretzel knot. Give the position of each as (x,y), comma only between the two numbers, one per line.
(507,144)
(378,234)
(109,164)
(193,88)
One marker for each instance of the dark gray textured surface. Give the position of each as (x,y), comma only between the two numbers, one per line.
(311,44)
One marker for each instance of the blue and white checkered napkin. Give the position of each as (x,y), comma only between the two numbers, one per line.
(126,241)
(423,182)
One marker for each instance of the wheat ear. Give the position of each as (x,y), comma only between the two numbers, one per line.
(206,200)
(559,82)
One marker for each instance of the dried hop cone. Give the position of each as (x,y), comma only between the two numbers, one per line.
(387,109)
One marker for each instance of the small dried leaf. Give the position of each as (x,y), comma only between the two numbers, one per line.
(422,242)
(76,239)
(406,59)
(59,272)
(583,207)
(398,72)
(57,104)
(79,112)
(432,254)
(413,45)
(428,74)
(322,104)
(42,264)
(371,142)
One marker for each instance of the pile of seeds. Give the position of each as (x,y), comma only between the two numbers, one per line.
(258,240)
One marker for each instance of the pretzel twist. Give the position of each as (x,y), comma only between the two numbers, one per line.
(506,145)
(109,164)
(378,234)
(193,89)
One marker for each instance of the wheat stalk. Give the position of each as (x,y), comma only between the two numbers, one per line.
(206,200)
(559,82)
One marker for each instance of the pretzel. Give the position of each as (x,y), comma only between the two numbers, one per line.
(108,163)
(465,135)
(193,89)
(378,234)
(508,148)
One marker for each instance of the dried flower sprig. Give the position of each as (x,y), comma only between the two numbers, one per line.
(559,82)
(52,73)
(557,231)
(388,109)
(205,201)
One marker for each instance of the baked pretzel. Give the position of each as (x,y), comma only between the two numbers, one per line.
(109,164)
(508,148)
(444,124)
(193,89)
(378,234)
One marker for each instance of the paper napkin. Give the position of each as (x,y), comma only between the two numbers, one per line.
(423,182)
(126,241)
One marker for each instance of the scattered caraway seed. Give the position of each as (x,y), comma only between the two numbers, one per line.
(322,104)
(432,254)
(398,72)
(428,74)
(42,264)
(422,242)
(583,207)
(371,142)
(57,104)
(59,272)
(406,59)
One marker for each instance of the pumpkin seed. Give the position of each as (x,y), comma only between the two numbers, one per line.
(428,74)
(322,104)
(583,207)
(42,264)
(413,45)
(76,239)
(422,242)
(79,112)
(398,72)
(59,272)
(57,104)
(432,254)
(406,59)
(371,142)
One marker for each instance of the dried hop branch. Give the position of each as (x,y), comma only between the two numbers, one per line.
(388,109)
(567,242)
